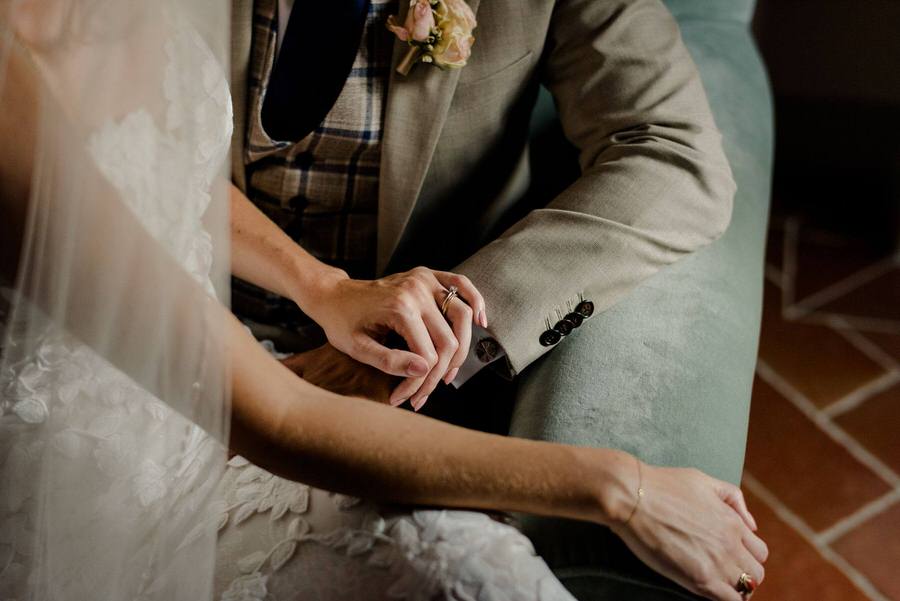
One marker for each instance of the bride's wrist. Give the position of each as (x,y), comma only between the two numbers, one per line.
(312,284)
(615,485)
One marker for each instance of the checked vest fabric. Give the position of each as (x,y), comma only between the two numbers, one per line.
(323,189)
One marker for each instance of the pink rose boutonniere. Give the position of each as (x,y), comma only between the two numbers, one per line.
(439,32)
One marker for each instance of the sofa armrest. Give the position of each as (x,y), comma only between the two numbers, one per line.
(671,366)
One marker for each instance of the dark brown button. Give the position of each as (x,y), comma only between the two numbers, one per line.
(586,308)
(487,350)
(564,327)
(576,318)
(550,337)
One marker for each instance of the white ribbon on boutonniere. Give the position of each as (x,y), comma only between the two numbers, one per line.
(439,32)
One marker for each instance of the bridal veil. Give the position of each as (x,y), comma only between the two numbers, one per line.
(113,233)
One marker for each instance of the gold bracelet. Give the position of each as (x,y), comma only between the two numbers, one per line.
(640,491)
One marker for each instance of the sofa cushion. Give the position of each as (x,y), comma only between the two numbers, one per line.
(713,10)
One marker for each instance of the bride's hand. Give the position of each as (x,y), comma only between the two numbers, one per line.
(695,530)
(357,315)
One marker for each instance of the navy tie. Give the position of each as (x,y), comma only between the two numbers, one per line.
(320,44)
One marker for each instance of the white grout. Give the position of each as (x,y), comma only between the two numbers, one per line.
(835,432)
(773,274)
(866,324)
(862,394)
(857,518)
(875,352)
(845,286)
(789,262)
(803,529)
(785,278)
(806,308)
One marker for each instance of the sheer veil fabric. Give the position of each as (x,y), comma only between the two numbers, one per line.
(113,394)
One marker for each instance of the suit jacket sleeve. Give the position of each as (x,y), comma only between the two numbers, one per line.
(655,183)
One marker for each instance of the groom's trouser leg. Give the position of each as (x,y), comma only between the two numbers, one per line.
(665,375)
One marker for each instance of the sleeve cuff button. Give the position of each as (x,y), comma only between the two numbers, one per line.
(487,350)
(564,327)
(550,337)
(576,318)
(585,308)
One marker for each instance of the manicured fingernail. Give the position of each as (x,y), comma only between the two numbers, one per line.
(417,368)
(483,319)
(419,403)
(451,375)
(397,402)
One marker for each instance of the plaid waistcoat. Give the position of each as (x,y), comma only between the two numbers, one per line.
(322,190)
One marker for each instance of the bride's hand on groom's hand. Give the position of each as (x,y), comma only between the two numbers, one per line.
(357,315)
(695,530)
(333,370)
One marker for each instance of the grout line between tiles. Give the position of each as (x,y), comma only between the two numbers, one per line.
(774,275)
(858,340)
(844,286)
(862,394)
(824,422)
(794,521)
(789,262)
(863,514)
(864,324)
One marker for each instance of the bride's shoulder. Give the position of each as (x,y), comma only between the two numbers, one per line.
(196,72)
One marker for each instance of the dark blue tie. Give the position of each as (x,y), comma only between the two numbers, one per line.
(320,44)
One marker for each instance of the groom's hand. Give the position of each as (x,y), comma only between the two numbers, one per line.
(335,371)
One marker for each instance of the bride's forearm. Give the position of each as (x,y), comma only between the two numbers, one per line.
(262,254)
(367,449)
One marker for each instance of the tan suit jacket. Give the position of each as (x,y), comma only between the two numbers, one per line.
(655,184)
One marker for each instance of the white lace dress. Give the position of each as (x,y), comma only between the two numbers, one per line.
(278,540)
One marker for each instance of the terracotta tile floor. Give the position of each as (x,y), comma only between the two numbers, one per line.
(823,458)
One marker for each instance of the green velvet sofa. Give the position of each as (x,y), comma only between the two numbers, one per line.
(674,373)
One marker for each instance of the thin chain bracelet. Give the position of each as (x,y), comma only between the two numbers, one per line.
(640,491)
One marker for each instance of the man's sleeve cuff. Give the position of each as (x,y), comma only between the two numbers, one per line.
(483,351)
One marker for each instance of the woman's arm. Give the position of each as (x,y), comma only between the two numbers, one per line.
(261,253)
(354,446)
(688,526)
(357,314)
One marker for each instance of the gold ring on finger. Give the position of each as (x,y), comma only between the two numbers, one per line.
(452,293)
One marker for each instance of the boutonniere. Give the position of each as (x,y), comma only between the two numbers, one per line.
(439,32)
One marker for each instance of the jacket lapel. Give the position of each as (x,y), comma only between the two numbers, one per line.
(416,109)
